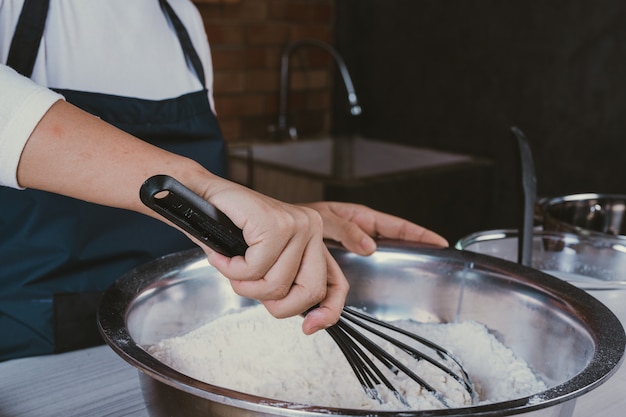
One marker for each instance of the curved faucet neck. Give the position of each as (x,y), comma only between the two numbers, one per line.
(355,108)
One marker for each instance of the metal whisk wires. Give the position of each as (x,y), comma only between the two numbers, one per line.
(355,346)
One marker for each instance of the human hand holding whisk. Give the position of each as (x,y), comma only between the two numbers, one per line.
(206,223)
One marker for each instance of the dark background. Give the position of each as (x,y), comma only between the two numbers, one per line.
(457,75)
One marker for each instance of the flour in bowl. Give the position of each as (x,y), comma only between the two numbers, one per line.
(252,352)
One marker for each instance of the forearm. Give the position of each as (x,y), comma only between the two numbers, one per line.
(286,265)
(73,153)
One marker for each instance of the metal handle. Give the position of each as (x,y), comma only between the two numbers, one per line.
(192,213)
(529,187)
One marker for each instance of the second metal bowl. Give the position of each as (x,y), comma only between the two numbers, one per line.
(591,263)
(586,214)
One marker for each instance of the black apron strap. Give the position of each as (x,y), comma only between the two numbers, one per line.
(81,247)
(185,41)
(30,27)
(27,36)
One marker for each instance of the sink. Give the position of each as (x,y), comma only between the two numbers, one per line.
(346,158)
(427,186)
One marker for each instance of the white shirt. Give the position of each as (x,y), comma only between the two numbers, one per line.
(119,47)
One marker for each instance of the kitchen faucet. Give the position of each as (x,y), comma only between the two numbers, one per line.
(355,109)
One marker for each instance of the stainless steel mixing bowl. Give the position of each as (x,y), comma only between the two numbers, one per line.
(571,340)
(586,214)
(589,262)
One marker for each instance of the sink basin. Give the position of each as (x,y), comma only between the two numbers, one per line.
(347,158)
(422,185)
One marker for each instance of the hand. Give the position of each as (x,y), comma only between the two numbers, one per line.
(355,226)
(287,265)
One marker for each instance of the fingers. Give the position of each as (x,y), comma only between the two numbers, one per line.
(330,308)
(293,284)
(355,225)
(287,265)
(350,235)
(393,227)
(318,281)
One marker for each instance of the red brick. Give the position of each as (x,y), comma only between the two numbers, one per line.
(215,13)
(319,100)
(310,56)
(256,57)
(238,105)
(216,1)
(262,81)
(263,57)
(252,10)
(308,11)
(271,104)
(309,123)
(315,31)
(301,10)
(309,80)
(247,39)
(267,34)
(257,127)
(231,127)
(296,101)
(225,34)
(228,58)
(229,82)
(277,9)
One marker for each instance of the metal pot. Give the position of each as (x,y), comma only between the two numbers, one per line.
(591,263)
(572,341)
(586,214)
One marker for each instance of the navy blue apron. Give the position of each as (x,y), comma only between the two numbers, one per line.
(58,254)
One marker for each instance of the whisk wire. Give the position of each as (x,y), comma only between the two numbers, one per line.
(367,375)
(356,338)
(463,378)
(351,340)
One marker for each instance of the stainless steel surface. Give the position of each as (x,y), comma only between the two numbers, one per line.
(571,340)
(591,263)
(587,214)
(282,130)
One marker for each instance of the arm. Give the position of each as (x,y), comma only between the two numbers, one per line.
(287,266)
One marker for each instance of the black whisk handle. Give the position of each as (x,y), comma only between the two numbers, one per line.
(177,203)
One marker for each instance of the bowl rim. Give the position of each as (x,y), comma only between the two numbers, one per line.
(580,197)
(600,242)
(603,240)
(609,353)
(545,203)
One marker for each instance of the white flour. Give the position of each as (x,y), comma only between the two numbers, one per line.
(252,352)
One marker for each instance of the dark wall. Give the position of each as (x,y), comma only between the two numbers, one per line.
(456,75)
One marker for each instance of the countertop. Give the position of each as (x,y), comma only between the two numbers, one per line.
(96,382)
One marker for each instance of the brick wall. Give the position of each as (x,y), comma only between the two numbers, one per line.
(247,38)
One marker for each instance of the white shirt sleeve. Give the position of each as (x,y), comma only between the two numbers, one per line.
(22,105)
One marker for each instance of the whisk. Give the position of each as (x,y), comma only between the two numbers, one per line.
(183,207)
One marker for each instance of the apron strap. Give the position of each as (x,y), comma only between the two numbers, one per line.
(30,27)
(27,36)
(185,40)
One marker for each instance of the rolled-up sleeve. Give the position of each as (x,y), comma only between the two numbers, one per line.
(22,105)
